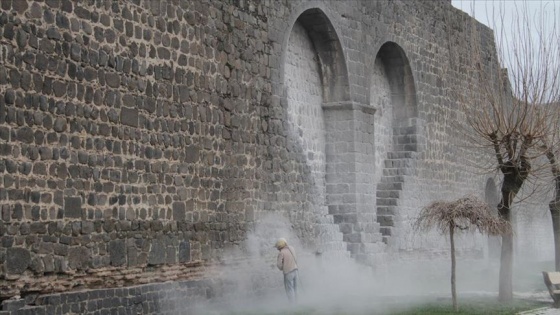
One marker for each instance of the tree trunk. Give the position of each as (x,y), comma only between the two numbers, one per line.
(506,259)
(453,264)
(554,207)
(555,214)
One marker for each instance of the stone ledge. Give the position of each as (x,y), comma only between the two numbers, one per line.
(349,105)
(110,277)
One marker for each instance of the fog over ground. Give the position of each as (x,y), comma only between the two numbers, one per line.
(333,282)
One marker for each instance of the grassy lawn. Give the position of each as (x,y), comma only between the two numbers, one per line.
(475,307)
(470,306)
(475,299)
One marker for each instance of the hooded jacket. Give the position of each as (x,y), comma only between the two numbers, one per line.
(286,259)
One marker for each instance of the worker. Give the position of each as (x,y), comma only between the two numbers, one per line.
(287,263)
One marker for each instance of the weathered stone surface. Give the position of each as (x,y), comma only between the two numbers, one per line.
(13,305)
(17,260)
(157,252)
(19,6)
(129,116)
(117,252)
(78,257)
(73,207)
(179,211)
(25,134)
(184,251)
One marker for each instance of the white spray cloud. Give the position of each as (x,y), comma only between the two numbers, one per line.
(334,283)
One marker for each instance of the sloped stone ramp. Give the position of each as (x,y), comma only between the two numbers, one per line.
(541,311)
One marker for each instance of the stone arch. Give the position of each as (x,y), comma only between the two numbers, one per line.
(334,74)
(401,82)
(316,89)
(398,131)
(492,198)
(305,95)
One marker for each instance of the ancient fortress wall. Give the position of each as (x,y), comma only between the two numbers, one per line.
(141,141)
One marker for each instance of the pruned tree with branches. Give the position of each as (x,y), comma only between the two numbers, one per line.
(508,113)
(467,213)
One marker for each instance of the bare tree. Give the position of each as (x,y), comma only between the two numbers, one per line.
(507,110)
(462,214)
(552,151)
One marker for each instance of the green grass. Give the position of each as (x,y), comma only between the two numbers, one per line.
(475,307)
(469,306)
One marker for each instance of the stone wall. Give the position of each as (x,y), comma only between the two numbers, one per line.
(140,141)
(156,298)
(131,137)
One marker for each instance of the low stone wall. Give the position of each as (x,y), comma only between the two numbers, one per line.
(158,298)
(63,256)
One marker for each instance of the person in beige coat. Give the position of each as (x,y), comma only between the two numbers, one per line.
(286,262)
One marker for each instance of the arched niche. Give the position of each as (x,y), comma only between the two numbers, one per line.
(334,74)
(304,97)
(314,78)
(315,81)
(401,82)
(398,130)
